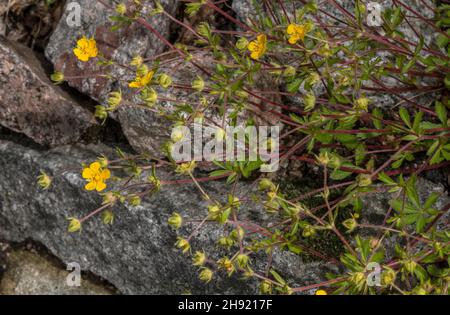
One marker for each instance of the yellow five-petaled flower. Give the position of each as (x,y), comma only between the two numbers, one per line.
(296,32)
(96,177)
(258,47)
(86,49)
(142,81)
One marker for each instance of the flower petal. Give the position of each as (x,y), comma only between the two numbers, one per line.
(87,173)
(100,186)
(95,167)
(105,174)
(91,185)
(291,29)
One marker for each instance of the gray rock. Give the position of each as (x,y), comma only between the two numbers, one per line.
(31,274)
(121,45)
(32,105)
(136,254)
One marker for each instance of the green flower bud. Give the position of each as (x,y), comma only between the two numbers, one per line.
(310,102)
(183,244)
(74,225)
(206,275)
(290,71)
(101,112)
(362,104)
(199,259)
(114,100)
(266,184)
(135,201)
(175,221)
(388,277)
(364,180)
(44,181)
(265,287)
(165,81)
(108,217)
(308,231)
(242,260)
(121,9)
(57,77)
(242,43)
(350,224)
(137,61)
(410,265)
(198,84)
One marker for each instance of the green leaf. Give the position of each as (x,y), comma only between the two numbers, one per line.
(277,277)
(360,154)
(386,179)
(339,175)
(441,112)
(404,115)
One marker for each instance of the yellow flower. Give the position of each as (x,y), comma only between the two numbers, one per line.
(142,81)
(96,176)
(296,32)
(321,292)
(86,49)
(74,225)
(258,46)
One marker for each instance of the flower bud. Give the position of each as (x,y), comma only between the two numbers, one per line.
(265,287)
(114,100)
(165,81)
(206,275)
(121,9)
(108,217)
(44,181)
(310,102)
(410,265)
(388,277)
(266,184)
(242,43)
(289,71)
(183,244)
(57,77)
(350,224)
(135,201)
(137,61)
(308,231)
(362,104)
(142,70)
(74,225)
(101,112)
(364,180)
(175,221)
(198,84)
(323,158)
(242,260)
(149,96)
(199,259)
